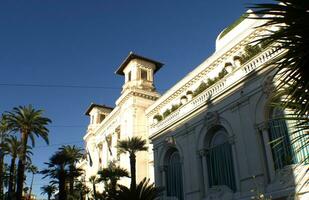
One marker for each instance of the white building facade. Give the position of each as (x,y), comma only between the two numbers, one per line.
(109,125)
(210,132)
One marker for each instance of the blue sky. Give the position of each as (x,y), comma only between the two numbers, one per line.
(74,42)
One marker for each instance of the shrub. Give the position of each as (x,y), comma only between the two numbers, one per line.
(166,113)
(200,89)
(222,73)
(251,51)
(174,107)
(158,117)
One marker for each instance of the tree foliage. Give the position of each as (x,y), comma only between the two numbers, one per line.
(132,146)
(289,22)
(29,122)
(143,191)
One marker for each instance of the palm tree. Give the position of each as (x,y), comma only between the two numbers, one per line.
(74,154)
(34,170)
(3,135)
(57,171)
(29,122)
(94,180)
(110,176)
(49,190)
(143,191)
(291,18)
(132,146)
(13,147)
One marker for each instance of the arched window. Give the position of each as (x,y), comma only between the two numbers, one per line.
(280,140)
(220,160)
(174,176)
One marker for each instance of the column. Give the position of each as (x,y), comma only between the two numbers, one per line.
(203,154)
(200,173)
(269,157)
(163,179)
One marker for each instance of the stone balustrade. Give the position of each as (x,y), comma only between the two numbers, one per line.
(231,79)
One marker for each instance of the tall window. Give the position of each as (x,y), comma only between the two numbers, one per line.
(143,74)
(280,140)
(174,176)
(220,161)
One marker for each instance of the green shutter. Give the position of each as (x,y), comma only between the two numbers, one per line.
(280,143)
(174,177)
(220,166)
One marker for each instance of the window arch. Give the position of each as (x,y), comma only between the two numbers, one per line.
(220,160)
(174,187)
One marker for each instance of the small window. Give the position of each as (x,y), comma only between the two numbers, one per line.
(101,118)
(129,76)
(143,74)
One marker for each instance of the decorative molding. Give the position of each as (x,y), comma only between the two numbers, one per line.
(170,141)
(289,176)
(232,139)
(138,93)
(202,152)
(212,118)
(268,87)
(219,192)
(211,66)
(217,90)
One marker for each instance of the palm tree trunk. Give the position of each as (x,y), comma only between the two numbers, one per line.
(94,191)
(71,180)
(113,184)
(48,196)
(21,166)
(11,176)
(62,189)
(1,174)
(133,171)
(81,195)
(30,190)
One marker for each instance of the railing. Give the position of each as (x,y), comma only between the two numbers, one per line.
(217,89)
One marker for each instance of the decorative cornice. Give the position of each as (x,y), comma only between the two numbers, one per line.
(155,108)
(137,93)
(226,85)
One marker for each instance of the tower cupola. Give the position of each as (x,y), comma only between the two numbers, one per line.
(97,114)
(138,72)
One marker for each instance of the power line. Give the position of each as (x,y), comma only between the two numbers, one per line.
(62,86)
(67,126)
(59,144)
(58,86)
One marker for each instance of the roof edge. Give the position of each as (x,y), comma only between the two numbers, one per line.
(92,105)
(132,56)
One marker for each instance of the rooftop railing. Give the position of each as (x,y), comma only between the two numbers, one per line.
(217,89)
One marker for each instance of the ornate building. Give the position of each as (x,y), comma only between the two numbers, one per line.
(127,119)
(211,131)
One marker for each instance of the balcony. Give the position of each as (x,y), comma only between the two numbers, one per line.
(220,87)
